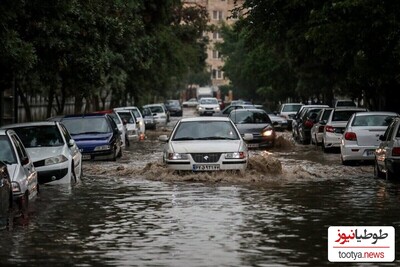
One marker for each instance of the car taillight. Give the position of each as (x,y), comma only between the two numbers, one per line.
(350,136)
(396,151)
(329,128)
(308,124)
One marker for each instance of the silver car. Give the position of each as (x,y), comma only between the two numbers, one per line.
(205,144)
(387,155)
(361,135)
(24,179)
(55,155)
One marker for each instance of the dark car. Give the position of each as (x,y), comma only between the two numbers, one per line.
(6,196)
(305,123)
(96,135)
(174,107)
(256,122)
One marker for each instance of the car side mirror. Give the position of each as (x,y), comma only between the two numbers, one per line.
(163,138)
(248,137)
(382,138)
(71,142)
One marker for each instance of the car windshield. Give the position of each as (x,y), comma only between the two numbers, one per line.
(40,136)
(372,120)
(205,130)
(342,115)
(254,117)
(115,118)
(156,109)
(87,125)
(146,112)
(7,154)
(208,101)
(126,116)
(291,108)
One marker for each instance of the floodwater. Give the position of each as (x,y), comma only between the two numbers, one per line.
(135,212)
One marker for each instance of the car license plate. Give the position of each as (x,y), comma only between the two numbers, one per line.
(205,167)
(85,156)
(370,152)
(253,145)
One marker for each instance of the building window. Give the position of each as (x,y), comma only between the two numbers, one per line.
(216,35)
(217,74)
(217,15)
(216,54)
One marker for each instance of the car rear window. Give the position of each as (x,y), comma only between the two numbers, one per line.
(291,108)
(372,120)
(244,117)
(342,115)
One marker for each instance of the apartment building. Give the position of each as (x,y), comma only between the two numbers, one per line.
(220,11)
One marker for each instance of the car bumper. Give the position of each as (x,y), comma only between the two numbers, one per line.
(332,140)
(98,155)
(237,164)
(353,152)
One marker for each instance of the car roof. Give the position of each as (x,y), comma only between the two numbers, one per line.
(205,119)
(25,124)
(153,105)
(85,115)
(366,113)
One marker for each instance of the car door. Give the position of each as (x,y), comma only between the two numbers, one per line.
(26,164)
(73,148)
(384,147)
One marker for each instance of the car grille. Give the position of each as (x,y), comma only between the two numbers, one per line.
(205,157)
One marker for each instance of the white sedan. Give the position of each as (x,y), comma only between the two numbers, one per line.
(205,144)
(54,153)
(361,135)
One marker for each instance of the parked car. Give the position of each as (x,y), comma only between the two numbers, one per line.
(361,135)
(6,195)
(120,124)
(205,144)
(317,129)
(255,122)
(288,111)
(299,115)
(192,102)
(159,112)
(149,121)
(279,123)
(174,107)
(387,155)
(207,106)
(344,103)
(335,125)
(305,123)
(96,135)
(20,167)
(227,110)
(130,124)
(54,153)
(139,117)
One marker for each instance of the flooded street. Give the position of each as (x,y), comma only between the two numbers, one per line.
(135,212)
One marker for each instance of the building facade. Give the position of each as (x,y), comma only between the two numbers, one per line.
(220,12)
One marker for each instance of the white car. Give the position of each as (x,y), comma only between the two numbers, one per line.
(317,130)
(120,124)
(54,153)
(208,106)
(387,155)
(130,123)
(139,117)
(335,125)
(205,144)
(361,136)
(288,111)
(190,103)
(23,175)
(160,113)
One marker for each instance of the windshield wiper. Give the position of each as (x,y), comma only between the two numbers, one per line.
(184,138)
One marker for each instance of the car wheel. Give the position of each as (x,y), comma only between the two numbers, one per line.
(345,162)
(119,153)
(324,148)
(114,154)
(389,175)
(377,172)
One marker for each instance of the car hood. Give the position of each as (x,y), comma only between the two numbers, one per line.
(209,105)
(39,153)
(200,146)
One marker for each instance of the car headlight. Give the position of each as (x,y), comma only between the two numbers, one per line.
(235,155)
(15,187)
(140,123)
(100,148)
(200,108)
(217,109)
(55,160)
(177,156)
(267,132)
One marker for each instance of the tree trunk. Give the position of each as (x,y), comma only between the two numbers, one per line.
(25,103)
